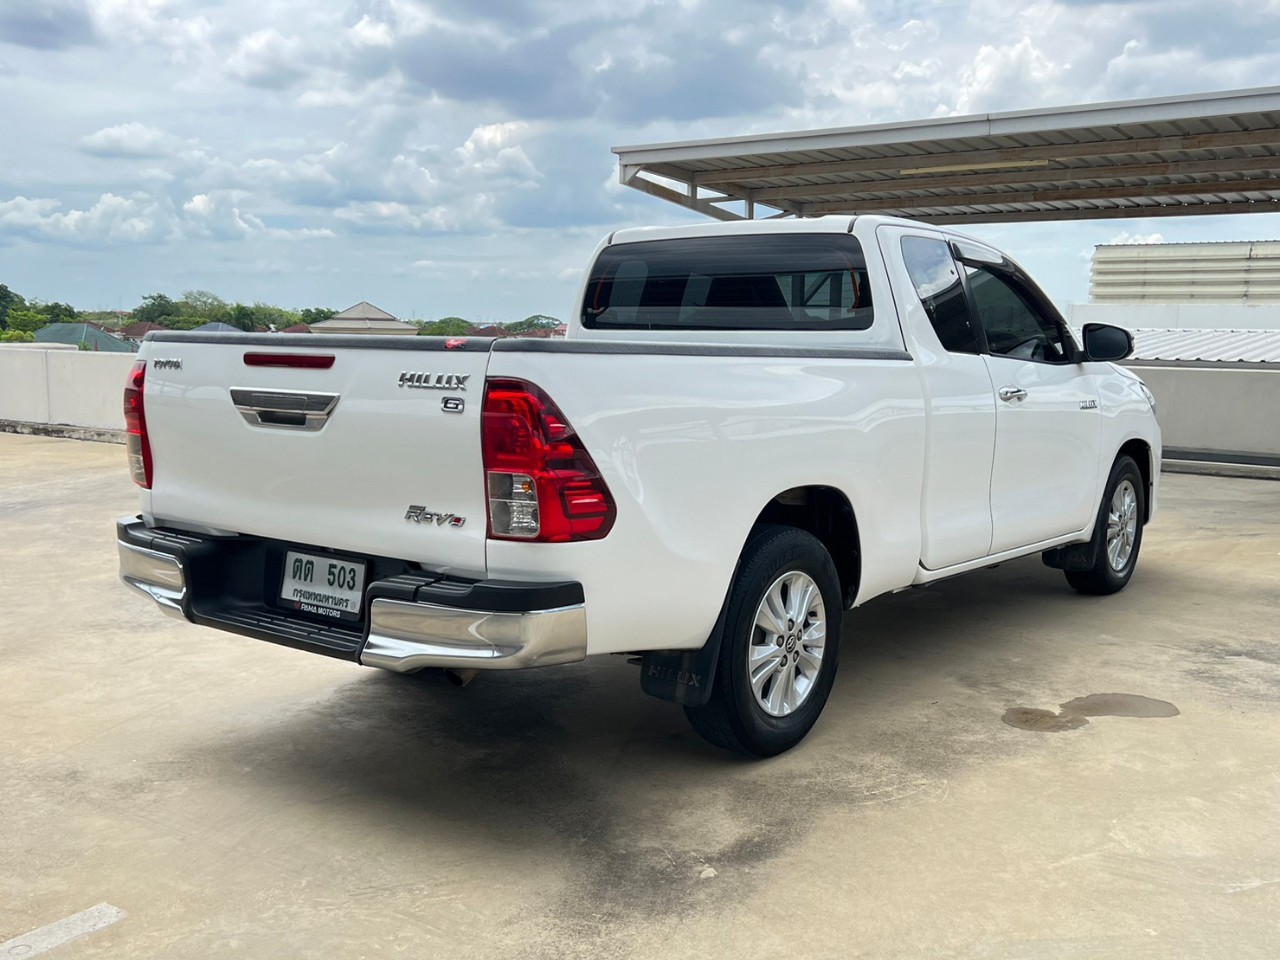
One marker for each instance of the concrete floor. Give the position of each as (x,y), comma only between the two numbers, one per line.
(237,798)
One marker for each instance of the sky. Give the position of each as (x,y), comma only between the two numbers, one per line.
(452,157)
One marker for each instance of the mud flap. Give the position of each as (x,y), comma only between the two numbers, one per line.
(1074,556)
(684,676)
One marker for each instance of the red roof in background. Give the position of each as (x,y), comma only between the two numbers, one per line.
(136,331)
(296,328)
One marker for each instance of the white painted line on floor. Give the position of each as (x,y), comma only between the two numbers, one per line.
(56,934)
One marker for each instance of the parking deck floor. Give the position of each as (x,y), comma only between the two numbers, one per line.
(232,798)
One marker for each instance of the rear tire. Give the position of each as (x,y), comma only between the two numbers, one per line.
(1117,533)
(780,648)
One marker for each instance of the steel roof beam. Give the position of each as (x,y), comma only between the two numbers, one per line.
(1009,178)
(684,200)
(878,204)
(1268,137)
(1101,213)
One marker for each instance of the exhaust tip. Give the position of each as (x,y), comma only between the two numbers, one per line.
(460,678)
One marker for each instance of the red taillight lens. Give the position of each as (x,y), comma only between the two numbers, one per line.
(542,483)
(135,425)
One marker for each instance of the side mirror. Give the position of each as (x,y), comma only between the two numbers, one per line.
(1102,341)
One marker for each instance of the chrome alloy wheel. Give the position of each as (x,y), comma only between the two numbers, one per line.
(787,641)
(1122,525)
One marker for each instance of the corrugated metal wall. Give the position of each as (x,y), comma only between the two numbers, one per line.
(1232,272)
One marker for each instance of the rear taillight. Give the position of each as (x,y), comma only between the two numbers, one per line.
(135,425)
(542,483)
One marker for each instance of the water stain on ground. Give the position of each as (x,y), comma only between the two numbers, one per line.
(1074,714)
(1043,721)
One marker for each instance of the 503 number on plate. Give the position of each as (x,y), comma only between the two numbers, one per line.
(321,585)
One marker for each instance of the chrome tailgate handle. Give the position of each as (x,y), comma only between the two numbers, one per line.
(1010,393)
(285,409)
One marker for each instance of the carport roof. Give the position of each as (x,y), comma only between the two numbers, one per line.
(1174,156)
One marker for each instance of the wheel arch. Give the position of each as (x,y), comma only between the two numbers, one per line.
(1140,451)
(827,514)
(689,676)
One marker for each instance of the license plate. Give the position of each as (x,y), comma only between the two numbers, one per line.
(321,585)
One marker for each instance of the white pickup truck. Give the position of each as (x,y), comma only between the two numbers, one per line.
(749,429)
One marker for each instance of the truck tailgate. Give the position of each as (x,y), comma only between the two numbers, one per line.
(377,454)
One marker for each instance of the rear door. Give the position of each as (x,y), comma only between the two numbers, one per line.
(361,446)
(956,509)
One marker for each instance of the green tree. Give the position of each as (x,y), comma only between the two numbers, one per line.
(445,327)
(26,321)
(209,307)
(9,301)
(57,312)
(16,336)
(156,308)
(539,321)
(241,316)
(316,314)
(269,315)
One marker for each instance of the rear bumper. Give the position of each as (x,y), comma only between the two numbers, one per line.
(412,620)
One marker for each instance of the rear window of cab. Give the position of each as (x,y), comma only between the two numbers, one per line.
(785,281)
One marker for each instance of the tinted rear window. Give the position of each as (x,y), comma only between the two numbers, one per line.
(789,281)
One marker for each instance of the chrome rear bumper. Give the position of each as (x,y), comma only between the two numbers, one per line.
(159,576)
(409,636)
(413,621)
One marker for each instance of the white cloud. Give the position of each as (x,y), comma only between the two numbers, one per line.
(371,33)
(493,151)
(220,216)
(111,218)
(268,58)
(131,140)
(185,38)
(399,217)
(1124,236)
(1000,75)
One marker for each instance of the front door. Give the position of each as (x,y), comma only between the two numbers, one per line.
(1048,428)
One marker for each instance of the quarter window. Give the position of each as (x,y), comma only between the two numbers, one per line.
(937,281)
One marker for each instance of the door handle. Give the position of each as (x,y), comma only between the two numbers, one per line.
(1010,393)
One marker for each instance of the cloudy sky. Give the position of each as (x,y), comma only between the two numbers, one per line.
(446,157)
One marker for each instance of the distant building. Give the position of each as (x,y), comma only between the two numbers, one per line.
(1244,272)
(365,318)
(135,332)
(84,335)
(296,328)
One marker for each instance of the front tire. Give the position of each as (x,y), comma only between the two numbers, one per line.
(780,647)
(1117,533)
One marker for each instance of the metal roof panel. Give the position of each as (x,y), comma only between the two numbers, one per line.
(1222,346)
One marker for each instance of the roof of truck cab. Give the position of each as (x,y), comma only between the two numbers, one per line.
(1208,153)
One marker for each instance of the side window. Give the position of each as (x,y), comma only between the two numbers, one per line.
(937,283)
(1013,325)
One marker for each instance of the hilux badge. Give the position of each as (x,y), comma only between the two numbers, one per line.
(434,381)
